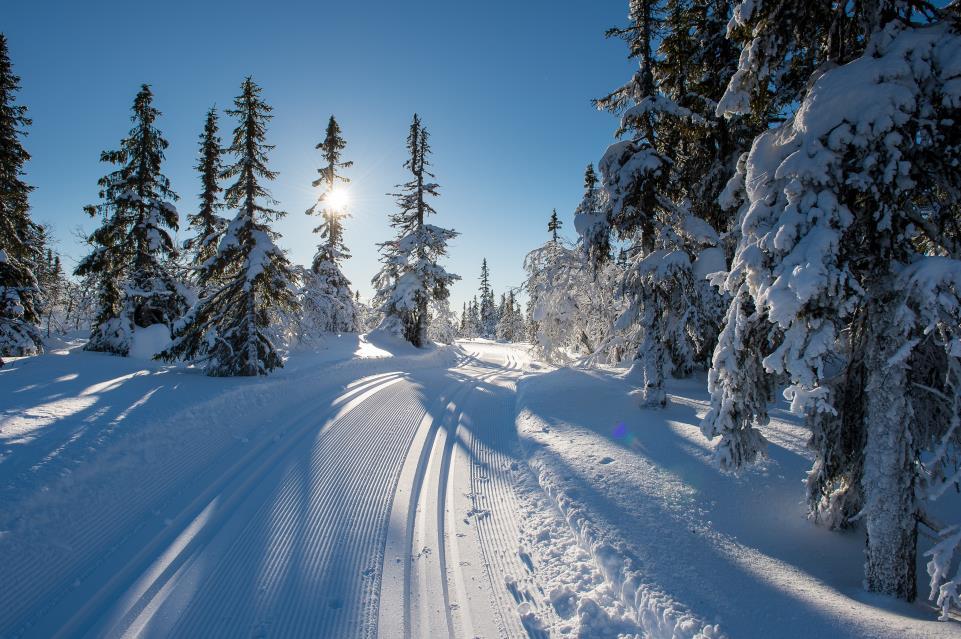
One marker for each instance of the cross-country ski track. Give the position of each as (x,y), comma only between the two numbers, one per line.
(371,489)
(383,507)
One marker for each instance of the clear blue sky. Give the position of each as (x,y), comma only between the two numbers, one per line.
(504,86)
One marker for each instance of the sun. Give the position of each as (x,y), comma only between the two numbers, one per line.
(337,199)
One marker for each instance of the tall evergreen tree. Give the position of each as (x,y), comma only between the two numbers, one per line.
(20,240)
(207,224)
(462,326)
(327,300)
(229,330)
(411,277)
(487,308)
(133,248)
(851,254)
(554,225)
(590,220)
(510,325)
(649,205)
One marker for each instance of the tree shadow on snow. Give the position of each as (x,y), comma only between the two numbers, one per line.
(730,547)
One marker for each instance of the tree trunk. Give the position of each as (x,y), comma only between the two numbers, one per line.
(251,368)
(889,454)
(650,356)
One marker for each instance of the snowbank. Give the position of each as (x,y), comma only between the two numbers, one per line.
(691,551)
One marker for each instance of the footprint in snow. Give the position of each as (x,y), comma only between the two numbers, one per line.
(606,460)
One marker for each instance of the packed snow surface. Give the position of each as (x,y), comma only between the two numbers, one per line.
(373,489)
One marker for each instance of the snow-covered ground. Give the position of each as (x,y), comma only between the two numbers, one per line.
(370,489)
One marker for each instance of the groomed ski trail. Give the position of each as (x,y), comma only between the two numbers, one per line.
(455,564)
(395,505)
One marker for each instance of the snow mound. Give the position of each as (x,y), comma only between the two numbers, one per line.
(149,341)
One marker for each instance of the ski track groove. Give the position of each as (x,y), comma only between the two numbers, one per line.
(294,488)
(495,453)
(419,508)
(497,529)
(146,499)
(269,459)
(435,522)
(357,435)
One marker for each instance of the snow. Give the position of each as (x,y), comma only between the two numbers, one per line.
(370,487)
(689,549)
(149,341)
(710,260)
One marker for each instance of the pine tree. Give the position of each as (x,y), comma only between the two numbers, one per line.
(133,249)
(411,277)
(21,245)
(327,300)
(207,224)
(487,308)
(231,328)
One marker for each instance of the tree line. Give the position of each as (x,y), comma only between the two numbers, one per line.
(228,297)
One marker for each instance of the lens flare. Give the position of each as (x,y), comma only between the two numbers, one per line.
(337,199)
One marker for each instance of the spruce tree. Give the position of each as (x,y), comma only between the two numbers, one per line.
(849,252)
(473,318)
(53,289)
(20,238)
(590,220)
(229,330)
(411,277)
(133,249)
(462,327)
(327,302)
(661,185)
(530,326)
(510,325)
(487,308)
(207,224)
(554,225)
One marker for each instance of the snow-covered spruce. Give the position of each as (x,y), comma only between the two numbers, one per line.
(132,248)
(232,330)
(207,224)
(510,325)
(328,304)
(21,240)
(487,310)
(443,322)
(662,185)
(572,305)
(410,277)
(470,324)
(741,388)
(849,247)
(18,334)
